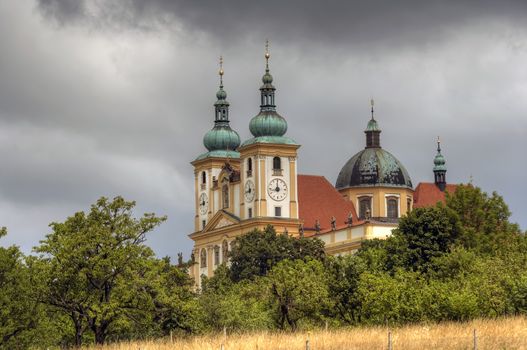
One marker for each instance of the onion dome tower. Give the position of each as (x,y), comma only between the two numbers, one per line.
(221,140)
(373,166)
(268,126)
(440,168)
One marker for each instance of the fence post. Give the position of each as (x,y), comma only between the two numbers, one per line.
(307,344)
(390,340)
(475,340)
(171,338)
(222,347)
(326,325)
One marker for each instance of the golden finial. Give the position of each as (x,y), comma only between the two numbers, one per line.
(267,54)
(221,70)
(438,145)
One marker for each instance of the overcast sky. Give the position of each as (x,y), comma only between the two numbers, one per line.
(113,97)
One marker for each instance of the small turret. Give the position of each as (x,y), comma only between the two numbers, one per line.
(440,168)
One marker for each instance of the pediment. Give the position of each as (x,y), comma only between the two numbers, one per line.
(221,219)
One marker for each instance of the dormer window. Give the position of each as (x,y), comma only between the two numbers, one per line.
(277,166)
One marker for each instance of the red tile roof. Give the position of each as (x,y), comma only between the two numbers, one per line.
(427,194)
(319,200)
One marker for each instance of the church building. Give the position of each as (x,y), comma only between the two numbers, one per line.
(242,186)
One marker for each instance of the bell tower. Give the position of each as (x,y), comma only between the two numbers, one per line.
(220,160)
(268,161)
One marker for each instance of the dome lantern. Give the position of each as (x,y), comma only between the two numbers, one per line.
(373,133)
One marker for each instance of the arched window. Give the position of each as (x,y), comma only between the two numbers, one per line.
(216,255)
(225,194)
(203,258)
(249,167)
(203,177)
(277,163)
(408,204)
(392,207)
(364,207)
(225,250)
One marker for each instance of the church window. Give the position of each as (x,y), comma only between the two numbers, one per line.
(277,163)
(203,224)
(250,212)
(225,250)
(392,206)
(203,180)
(277,166)
(249,167)
(278,211)
(364,207)
(216,255)
(203,258)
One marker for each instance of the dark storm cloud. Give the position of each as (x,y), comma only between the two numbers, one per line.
(101,97)
(354,23)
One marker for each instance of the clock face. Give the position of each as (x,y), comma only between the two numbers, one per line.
(203,203)
(277,189)
(249,191)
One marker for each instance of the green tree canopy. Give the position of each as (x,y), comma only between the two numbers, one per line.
(255,253)
(101,274)
(299,290)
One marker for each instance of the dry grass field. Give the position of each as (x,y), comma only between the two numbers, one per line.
(508,333)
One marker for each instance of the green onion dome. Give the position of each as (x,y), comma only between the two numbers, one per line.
(268,123)
(221,137)
(439,160)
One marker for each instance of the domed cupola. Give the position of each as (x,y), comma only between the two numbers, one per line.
(268,126)
(221,140)
(373,166)
(440,168)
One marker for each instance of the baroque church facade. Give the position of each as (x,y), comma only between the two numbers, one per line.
(242,186)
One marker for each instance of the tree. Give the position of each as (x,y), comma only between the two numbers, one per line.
(299,291)
(95,265)
(238,306)
(484,218)
(426,233)
(343,275)
(255,253)
(20,312)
